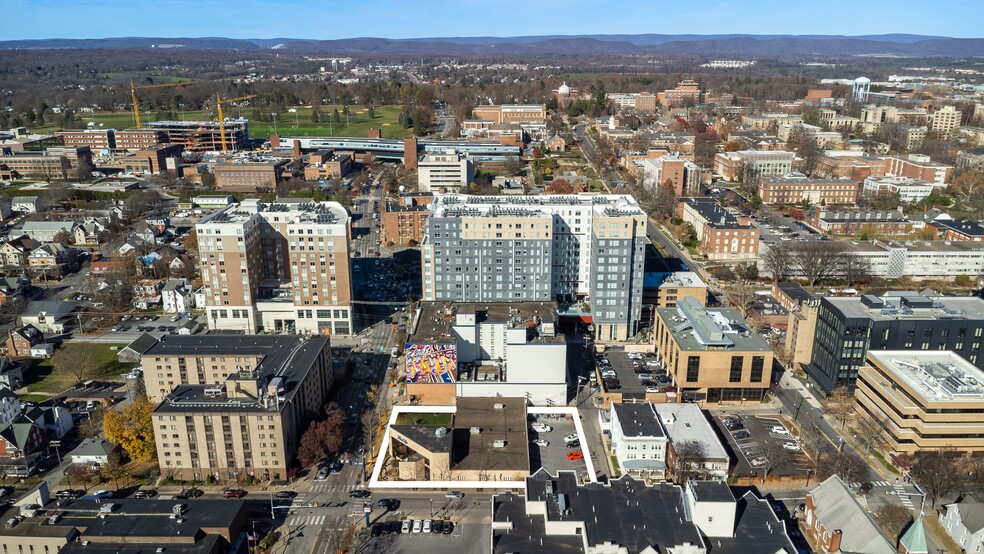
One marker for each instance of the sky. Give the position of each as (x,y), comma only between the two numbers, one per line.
(333,19)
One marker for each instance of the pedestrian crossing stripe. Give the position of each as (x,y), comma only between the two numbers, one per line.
(313,520)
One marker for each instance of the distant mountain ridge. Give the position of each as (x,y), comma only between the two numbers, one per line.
(717,45)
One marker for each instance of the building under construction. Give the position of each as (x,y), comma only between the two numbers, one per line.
(204,136)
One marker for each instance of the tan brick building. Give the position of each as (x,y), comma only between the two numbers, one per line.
(234,405)
(685,92)
(793,189)
(96,139)
(853,222)
(280,267)
(679,285)
(152,160)
(711,354)
(327,164)
(139,139)
(722,234)
(511,113)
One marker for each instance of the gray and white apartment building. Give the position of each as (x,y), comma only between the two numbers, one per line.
(584,251)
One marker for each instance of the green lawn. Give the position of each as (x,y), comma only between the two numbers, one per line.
(45,378)
(424,419)
(288,124)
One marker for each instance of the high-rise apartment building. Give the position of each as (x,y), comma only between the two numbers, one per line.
(280,267)
(945,121)
(585,252)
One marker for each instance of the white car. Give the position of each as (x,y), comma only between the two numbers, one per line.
(405,528)
(541,443)
(571,438)
(634,356)
(427,526)
(654,363)
(790,445)
(541,428)
(417,525)
(779,429)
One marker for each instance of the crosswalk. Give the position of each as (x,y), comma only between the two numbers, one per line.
(855,485)
(305,520)
(330,486)
(906,500)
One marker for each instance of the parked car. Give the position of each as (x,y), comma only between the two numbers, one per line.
(779,429)
(405,527)
(571,438)
(572,445)
(436,526)
(447,527)
(286,494)
(322,473)
(541,443)
(417,526)
(233,493)
(575,455)
(142,494)
(427,526)
(360,494)
(790,445)
(541,428)
(103,494)
(454,494)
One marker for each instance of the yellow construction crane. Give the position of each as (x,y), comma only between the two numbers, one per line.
(133,96)
(218,102)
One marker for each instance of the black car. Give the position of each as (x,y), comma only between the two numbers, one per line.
(69,493)
(360,494)
(377,529)
(437,526)
(447,527)
(394,527)
(285,494)
(389,503)
(574,444)
(192,492)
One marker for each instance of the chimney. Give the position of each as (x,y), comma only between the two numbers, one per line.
(274,141)
(834,545)
(375,134)
(297,149)
(410,153)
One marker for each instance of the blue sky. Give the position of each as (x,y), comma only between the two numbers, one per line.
(330,19)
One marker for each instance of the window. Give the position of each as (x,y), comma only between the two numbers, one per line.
(693,369)
(736,363)
(758,364)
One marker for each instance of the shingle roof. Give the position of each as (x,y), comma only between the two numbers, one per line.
(142,343)
(971,512)
(837,509)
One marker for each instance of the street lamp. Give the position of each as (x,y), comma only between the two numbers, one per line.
(274,122)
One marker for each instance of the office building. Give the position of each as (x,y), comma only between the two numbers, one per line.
(687,92)
(971,159)
(672,170)
(280,267)
(100,140)
(909,190)
(403,221)
(204,136)
(39,165)
(801,325)
(919,166)
(248,176)
(447,172)
(233,406)
(945,121)
(722,234)
(140,139)
(153,160)
(796,188)
(711,353)
(928,400)
(847,327)
(559,514)
(586,252)
(511,113)
(752,164)
(480,350)
(770,121)
(326,164)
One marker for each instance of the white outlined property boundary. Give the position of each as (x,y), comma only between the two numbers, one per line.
(375,482)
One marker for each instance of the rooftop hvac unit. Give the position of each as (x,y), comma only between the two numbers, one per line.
(441,432)
(498,405)
(498,444)
(475,430)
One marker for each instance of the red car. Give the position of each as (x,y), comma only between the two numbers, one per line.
(575,455)
(233,493)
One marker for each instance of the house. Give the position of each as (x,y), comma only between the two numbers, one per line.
(27,342)
(10,406)
(159,224)
(89,232)
(131,245)
(14,252)
(131,353)
(56,419)
(45,231)
(147,293)
(11,374)
(101,265)
(177,296)
(188,326)
(48,316)
(144,233)
(26,204)
(838,523)
(13,287)
(557,144)
(964,522)
(95,452)
(21,437)
(685,423)
(52,259)
(180,263)
(638,440)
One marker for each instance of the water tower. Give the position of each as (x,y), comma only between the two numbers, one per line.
(862,86)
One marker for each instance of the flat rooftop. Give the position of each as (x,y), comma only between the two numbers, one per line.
(913,306)
(638,420)
(937,376)
(683,279)
(436,318)
(477,452)
(296,211)
(690,424)
(697,328)
(714,214)
(795,291)
(457,205)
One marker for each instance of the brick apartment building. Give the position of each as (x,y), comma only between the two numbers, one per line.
(96,139)
(919,166)
(511,113)
(404,220)
(958,229)
(139,139)
(722,235)
(853,222)
(685,92)
(795,188)
(233,406)
(249,176)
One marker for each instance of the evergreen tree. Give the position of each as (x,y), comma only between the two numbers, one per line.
(316,115)
(372,113)
(336,117)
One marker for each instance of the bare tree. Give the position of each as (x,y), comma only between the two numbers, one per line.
(856,270)
(775,455)
(689,459)
(893,519)
(740,293)
(839,404)
(778,261)
(818,260)
(937,472)
(968,185)
(871,432)
(817,445)
(79,359)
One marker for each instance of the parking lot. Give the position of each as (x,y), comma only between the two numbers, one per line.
(553,457)
(463,538)
(750,436)
(776,228)
(632,385)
